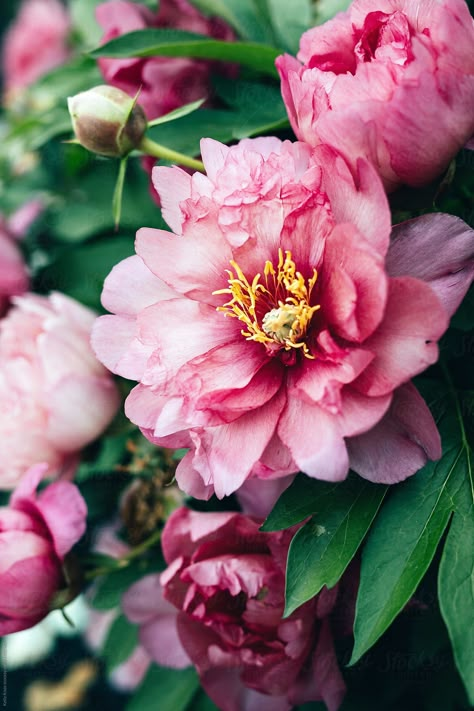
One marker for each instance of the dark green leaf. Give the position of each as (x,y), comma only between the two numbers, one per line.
(202,702)
(404,539)
(110,588)
(298,502)
(120,642)
(456,572)
(177,43)
(165,689)
(321,550)
(239,14)
(80,271)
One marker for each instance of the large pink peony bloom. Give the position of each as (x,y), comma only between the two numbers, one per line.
(35,43)
(36,533)
(277,330)
(227,579)
(165,83)
(392,80)
(54,395)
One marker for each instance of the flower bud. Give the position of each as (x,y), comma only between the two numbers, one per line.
(107,121)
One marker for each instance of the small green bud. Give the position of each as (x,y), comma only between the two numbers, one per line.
(107,121)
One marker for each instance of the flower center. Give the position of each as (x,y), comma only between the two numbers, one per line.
(275,310)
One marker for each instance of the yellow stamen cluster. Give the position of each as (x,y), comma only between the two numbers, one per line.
(276,311)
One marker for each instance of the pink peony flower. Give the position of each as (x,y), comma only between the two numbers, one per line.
(36,533)
(277,330)
(227,580)
(391,80)
(54,396)
(165,83)
(35,43)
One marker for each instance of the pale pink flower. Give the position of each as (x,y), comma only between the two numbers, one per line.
(165,83)
(36,533)
(35,43)
(391,80)
(55,397)
(128,675)
(277,330)
(226,579)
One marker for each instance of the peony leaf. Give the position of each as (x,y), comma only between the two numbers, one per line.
(120,642)
(239,14)
(165,689)
(456,572)
(404,539)
(288,19)
(321,550)
(177,43)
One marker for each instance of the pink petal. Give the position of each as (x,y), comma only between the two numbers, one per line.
(193,265)
(26,489)
(115,344)
(131,287)
(314,439)
(173,185)
(400,444)
(405,343)
(438,249)
(65,512)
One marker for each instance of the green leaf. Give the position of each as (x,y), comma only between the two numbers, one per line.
(118,192)
(165,689)
(110,588)
(456,572)
(80,271)
(405,536)
(84,22)
(326,9)
(120,642)
(242,15)
(288,20)
(202,702)
(177,43)
(177,113)
(321,550)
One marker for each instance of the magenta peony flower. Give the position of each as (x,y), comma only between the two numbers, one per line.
(165,83)
(392,81)
(36,533)
(54,396)
(35,43)
(227,580)
(277,330)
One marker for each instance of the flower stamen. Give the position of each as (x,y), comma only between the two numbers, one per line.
(277,312)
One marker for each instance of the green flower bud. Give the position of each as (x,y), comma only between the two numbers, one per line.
(107,121)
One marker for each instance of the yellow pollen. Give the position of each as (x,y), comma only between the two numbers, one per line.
(275,310)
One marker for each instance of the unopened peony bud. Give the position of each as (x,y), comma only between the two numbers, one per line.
(107,121)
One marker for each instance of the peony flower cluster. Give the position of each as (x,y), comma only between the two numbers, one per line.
(35,43)
(225,581)
(390,80)
(165,83)
(36,534)
(278,328)
(55,397)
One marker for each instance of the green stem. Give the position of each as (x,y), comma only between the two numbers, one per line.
(125,560)
(158,151)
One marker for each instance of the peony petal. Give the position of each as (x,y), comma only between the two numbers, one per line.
(115,344)
(400,444)
(405,343)
(314,439)
(438,249)
(131,287)
(64,512)
(194,265)
(173,186)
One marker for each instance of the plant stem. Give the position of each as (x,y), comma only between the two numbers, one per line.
(158,151)
(124,561)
